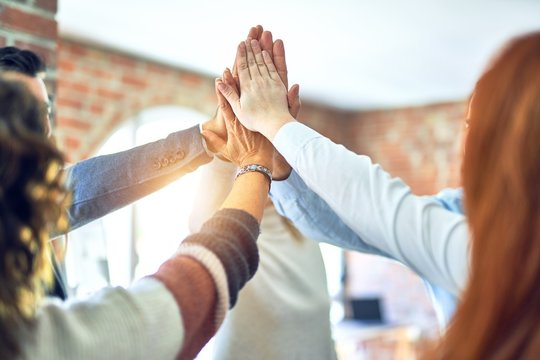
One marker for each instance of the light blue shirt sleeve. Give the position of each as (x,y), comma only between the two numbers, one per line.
(316,220)
(314,217)
(444,302)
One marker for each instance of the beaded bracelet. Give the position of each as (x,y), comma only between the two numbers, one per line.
(254,167)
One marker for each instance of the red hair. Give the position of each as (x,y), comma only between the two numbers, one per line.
(499,316)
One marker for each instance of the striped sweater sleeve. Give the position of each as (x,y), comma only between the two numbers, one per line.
(220,259)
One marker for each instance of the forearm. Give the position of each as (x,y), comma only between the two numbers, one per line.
(249,193)
(103,184)
(379,209)
(216,181)
(314,217)
(196,296)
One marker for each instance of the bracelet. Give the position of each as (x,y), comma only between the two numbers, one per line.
(257,168)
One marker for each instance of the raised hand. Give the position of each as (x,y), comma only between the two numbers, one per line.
(263,105)
(241,146)
(276,50)
(217,123)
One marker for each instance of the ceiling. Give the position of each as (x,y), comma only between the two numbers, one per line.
(353,54)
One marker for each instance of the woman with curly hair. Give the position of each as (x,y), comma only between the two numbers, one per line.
(169,314)
(32,199)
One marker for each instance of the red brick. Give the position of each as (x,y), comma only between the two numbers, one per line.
(191,79)
(68,86)
(122,60)
(97,73)
(110,94)
(65,65)
(157,69)
(135,81)
(33,24)
(72,143)
(96,108)
(71,123)
(51,5)
(73,48)
(63,102)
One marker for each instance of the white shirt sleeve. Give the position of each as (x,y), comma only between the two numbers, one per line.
(415,230)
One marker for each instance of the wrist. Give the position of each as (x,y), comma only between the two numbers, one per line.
(207,125)
(281,174)
(209,152)
(256,169)
(270,129)
(267,163)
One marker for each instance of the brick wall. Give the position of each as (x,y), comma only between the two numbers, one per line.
(99,88)
(31,24)
(422,145)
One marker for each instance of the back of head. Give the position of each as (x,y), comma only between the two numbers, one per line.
(500,310)
(32,199)
(22,61)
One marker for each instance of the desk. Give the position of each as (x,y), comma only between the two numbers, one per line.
(357,341)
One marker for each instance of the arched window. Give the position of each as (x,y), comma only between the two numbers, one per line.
(132,242)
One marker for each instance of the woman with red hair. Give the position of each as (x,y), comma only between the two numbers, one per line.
(499,315)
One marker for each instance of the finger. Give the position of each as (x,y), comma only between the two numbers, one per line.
(244,74)
(271,69)
(254,33)
(279,61)
(230,124)
(230,95)
(223,105)
(229,80)
(252,64)
(261,65)
(260,31)
(267,43)
(215,143)
(293,97)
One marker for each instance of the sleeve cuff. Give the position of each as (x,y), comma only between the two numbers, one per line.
(203,141)
(214,266)
(291,138)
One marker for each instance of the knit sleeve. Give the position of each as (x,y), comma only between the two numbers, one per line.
(226,248)
(230,234)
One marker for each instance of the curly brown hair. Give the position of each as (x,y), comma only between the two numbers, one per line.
(33,202)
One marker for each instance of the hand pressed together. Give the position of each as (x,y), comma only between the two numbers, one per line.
(262,105)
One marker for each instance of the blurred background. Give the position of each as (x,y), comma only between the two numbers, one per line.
(386,78)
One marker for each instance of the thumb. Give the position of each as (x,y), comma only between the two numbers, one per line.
(230,94)
(215,143)
(294,100)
